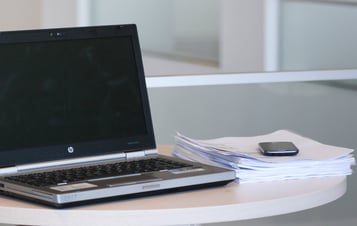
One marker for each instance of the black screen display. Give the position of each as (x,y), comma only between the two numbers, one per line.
(66,92)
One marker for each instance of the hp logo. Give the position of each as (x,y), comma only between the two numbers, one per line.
(70,149)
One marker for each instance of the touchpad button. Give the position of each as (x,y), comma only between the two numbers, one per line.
(129,180)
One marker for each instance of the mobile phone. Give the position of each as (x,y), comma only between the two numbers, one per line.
(278,148)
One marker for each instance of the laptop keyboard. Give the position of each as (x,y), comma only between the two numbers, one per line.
(65,176)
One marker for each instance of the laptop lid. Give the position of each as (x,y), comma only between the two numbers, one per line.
(72,92)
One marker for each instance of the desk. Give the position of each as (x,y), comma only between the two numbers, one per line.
(228,203)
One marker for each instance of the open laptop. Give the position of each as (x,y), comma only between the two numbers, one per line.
(75,123)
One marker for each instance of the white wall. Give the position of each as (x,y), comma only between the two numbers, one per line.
(63,13)
(242,36)
(35,14)
(15,16)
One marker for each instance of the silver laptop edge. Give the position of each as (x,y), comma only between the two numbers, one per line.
(73,162)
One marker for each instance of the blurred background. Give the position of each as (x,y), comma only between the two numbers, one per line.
(195,37)
(212,36)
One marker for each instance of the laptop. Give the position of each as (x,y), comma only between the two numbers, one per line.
(75,122)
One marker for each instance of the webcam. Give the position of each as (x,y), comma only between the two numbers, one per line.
(56,34)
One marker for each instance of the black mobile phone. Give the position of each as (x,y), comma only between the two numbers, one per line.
(278,148)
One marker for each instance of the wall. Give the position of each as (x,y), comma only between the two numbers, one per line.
(242,36)
(14,16)
(59,13)
(35,14)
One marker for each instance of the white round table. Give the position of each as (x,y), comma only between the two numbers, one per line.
(227,203)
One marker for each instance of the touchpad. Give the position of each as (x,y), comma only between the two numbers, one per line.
(129,180)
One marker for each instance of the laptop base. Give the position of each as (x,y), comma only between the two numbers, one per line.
(116,198)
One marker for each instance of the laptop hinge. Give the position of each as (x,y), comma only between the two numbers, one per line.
(8,170)
(69,162)
(138,154)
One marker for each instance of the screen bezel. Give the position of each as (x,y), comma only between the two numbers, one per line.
(92,148)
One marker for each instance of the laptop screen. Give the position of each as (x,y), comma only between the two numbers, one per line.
(72,92)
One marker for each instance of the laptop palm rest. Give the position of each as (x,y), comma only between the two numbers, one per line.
(127,180)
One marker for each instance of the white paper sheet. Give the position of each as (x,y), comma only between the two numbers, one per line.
(242,154)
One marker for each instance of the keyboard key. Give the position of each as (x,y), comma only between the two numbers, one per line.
(65,176)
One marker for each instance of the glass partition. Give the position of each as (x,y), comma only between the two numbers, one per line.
(179,29)
(318,35)
(225,36)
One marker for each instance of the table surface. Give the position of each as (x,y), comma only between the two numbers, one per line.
(226,203)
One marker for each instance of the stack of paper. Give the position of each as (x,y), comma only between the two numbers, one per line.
(242,154)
